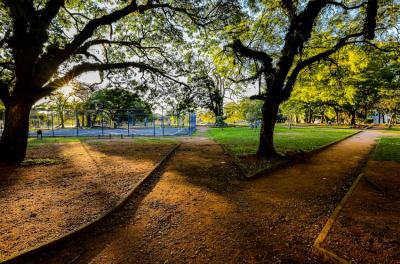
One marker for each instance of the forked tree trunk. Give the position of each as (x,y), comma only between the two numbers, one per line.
(61,115)
(353,118)
(15,135)
(266,146)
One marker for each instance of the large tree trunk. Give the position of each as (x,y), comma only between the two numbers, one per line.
(15,135)
(353,118)
(61,115)
(337,117)
(269,113)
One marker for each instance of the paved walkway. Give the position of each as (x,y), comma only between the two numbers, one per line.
(197,211)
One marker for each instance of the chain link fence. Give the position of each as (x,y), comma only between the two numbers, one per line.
(107,123)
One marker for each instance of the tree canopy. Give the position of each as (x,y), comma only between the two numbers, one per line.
(193,54)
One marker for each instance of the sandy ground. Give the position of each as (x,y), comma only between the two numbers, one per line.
(197,211)
(368,228)
(41,203)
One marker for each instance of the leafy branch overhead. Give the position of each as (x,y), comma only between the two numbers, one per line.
(59,40)
(281,68)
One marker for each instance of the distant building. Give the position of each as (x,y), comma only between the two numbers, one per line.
(380,118)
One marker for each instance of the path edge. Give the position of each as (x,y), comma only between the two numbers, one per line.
(26,254)
(326,254)
(284,163)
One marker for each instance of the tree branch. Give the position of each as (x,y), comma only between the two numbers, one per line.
(251,78)
(321,56)
(344,6)
(260,56)
(370,20)
(49,12)
(86,67)
(90,43)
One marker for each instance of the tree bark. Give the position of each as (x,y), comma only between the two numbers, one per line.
(61,116)
(337,116)
(269,113)
(14,140)
(353,118)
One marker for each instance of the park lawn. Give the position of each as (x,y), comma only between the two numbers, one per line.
(392,130)
(156,140)
(241,141)
(305,125)
(388,149)
(35,141)
(93,140)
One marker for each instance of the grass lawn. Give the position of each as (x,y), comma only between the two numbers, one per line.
(245,140)
(388,149)
(139,140)
(395,130)
(163,140)
(34,141)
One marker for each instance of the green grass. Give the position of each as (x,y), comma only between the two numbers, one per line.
(94,140)
(164,140)
(388,149)
(395,130)
(245,140)
(332,126)
(34,141)
(42,161)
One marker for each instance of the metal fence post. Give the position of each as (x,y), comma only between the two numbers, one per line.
(162,120)
(52,124)
(128,115)
(102,124)
(154,126)
(77,123)
(190,132)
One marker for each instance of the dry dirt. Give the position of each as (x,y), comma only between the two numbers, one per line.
(41,203)
(368,228)
(197,211)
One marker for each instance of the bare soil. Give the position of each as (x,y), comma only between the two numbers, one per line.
(40,203)
(197,211)
(368,228)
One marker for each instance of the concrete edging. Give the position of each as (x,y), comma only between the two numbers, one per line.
(328,254)
(283,163)
(25,256)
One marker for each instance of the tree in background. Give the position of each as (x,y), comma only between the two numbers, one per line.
(59,102)
(46,44)
(116,103)
(350,87)
(282,38)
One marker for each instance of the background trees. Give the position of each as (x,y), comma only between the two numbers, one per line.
(46,44)
(116,104)
(148,46)
(353,88)
(279,39)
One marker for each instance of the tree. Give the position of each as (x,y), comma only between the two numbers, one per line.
(116,103)
(306,35)
(59,102)
(46,44)
(212,89)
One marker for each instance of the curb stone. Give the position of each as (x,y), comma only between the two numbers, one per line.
(326,254)
(27,255)
(285,162)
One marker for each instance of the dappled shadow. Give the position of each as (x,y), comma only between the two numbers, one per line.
(200,212)
(40,203)
(86,245)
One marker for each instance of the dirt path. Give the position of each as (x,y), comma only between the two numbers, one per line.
(198,212)
(44,202)
(368,228)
